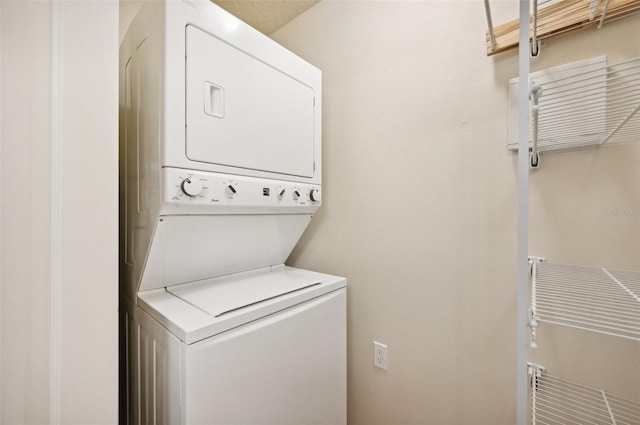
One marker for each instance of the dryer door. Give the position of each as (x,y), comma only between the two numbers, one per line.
(244,113)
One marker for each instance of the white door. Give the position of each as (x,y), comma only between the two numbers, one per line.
(244,113)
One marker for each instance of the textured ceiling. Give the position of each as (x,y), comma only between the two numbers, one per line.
(266,16)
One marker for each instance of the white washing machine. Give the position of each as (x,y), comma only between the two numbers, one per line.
(220,141)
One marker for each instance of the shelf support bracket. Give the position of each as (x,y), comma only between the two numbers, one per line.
(535,43)
(594,9)
(533,317)
(534,96)
(606,402)
(604,13)
(619,126)
(492,36)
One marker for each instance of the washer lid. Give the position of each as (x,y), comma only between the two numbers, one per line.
(221,297)
(200,310)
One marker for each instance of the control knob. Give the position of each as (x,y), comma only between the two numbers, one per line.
(296,194)
(314,195)
(231,190)
(191,186)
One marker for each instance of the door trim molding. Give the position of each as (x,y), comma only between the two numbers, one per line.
(57,111)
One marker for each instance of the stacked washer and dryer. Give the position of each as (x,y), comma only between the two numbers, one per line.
(220,136)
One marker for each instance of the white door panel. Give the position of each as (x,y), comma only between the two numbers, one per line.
(244,113)
(288,368)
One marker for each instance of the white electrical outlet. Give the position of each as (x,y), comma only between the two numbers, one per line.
(379,355)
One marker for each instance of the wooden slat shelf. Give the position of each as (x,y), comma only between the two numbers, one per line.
(559,18)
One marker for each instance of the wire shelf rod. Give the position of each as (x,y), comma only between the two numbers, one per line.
(599,72)
(616,334)
(549,144)
(571,312)
(554,143)
(595,294)
(586,312)
(587,324)
(613,82)
(584,325)
(622,94)
(584,131)
(619,106)
(577,132)
(610,86)
(611,325)
(585,128)
(622,114)
(625,96)
(613,111)
(589,294)
(587,309)
(590,122)
(595,91)
(603,89)
(595,276)
(596,279)
(576,305)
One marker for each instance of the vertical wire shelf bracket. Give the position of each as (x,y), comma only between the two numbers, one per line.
(533,316)
(551,18)
(600,300)
(556,401)
(585,103)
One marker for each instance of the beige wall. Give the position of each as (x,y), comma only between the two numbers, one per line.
(419,207)
(58,198)
(25,213)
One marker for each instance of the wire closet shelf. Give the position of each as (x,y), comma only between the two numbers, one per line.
(583,103)
(559,401)
(593,299)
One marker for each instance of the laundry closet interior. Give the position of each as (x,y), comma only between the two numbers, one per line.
(493,251)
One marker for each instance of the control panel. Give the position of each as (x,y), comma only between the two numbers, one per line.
(203,189)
